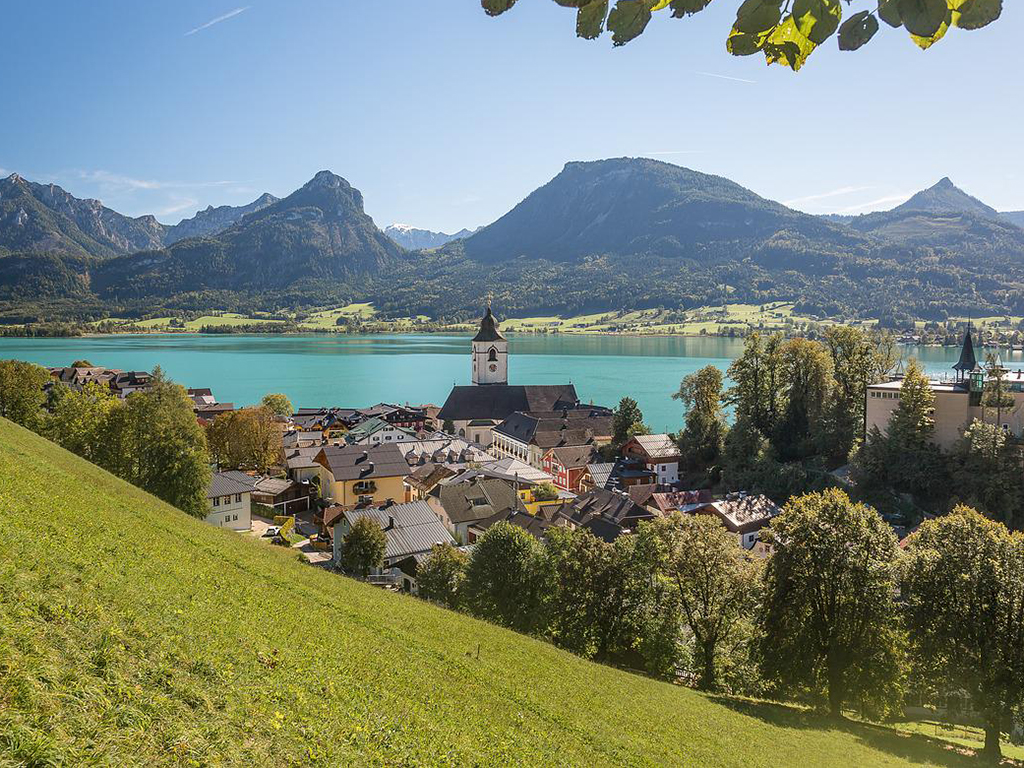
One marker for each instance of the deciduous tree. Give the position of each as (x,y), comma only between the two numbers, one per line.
(21,392)
(964,592)
(716,583)
(363,547)
(441,575)
(829,621)
(505,577)
(247,439)
(703,437)
(277,404)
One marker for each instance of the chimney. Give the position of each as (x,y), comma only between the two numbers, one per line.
(391,523)
(363,457)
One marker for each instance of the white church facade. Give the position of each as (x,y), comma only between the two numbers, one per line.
(474,410)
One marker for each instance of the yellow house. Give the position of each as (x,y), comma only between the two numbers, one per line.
(355,474)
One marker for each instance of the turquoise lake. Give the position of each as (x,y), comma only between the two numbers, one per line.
(342,370)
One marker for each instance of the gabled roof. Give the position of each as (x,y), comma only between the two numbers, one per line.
(229,483)
(547,429)
(606,513)
(477,499)
(273,486)
(669,502)
(657,446)
(410,529)
(574,456)
(370,427)
(600,473)
(357,462)
(488,329)
(742,513)
(496,402)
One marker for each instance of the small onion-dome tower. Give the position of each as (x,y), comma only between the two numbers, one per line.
(490,353)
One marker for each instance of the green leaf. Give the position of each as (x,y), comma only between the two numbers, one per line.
(788,45)
(857,30)
(889,12)
(590,19)
(975,14)
(923,17)
(745,43)
(682,8)
(628,19)
(924,42)
(817,20)
(496,7)
(757,16)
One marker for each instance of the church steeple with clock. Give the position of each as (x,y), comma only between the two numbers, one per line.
(490,353)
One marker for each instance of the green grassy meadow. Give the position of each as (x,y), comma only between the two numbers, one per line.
(131,634)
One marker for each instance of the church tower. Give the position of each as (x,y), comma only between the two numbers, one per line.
(490,353)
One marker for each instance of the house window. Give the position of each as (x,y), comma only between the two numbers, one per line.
(234,517)
(216,501)
(238,497)
(227,518)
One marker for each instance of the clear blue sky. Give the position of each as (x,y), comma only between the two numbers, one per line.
(446,118)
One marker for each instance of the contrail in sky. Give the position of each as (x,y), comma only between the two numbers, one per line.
(218,20)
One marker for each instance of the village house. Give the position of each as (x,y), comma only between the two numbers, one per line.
(568,464)
(461,504)
(410,530)
(475,410)
(425,478)
(375,431)
(527,436)
(295,438)
(229,498)
(659,453)
(957,398)
(286,497)
(595,476)
(742,514)
(606,514)
(536,523)
(301,463)
(441,448)
(206,407)
(352,474)
(120,383)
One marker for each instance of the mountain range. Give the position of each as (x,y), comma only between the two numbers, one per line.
(414,239)
(611,234)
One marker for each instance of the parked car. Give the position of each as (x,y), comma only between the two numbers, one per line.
(271,531)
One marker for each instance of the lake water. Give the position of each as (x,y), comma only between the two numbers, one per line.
(347,370)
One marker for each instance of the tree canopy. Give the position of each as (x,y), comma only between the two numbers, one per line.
(785,33)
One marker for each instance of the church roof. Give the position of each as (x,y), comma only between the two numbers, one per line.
(499,401)
(488,329)
(968,361)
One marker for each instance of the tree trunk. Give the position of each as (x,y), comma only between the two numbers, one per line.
(836,690)
(992,750)
(708,679)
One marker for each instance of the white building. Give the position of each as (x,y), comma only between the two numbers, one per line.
(230,500)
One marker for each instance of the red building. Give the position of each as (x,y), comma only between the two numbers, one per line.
(567,464)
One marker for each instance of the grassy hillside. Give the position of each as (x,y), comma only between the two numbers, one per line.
(130,634)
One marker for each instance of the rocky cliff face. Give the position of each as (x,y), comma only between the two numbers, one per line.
(46,218)
(215,220)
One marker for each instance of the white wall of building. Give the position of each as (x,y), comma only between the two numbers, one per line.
(234,512)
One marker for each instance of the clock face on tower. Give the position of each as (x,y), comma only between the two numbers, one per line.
(493,367)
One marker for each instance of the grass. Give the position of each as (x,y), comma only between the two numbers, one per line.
(703,320)
(131,634)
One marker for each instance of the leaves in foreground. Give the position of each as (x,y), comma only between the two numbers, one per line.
(786,33)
